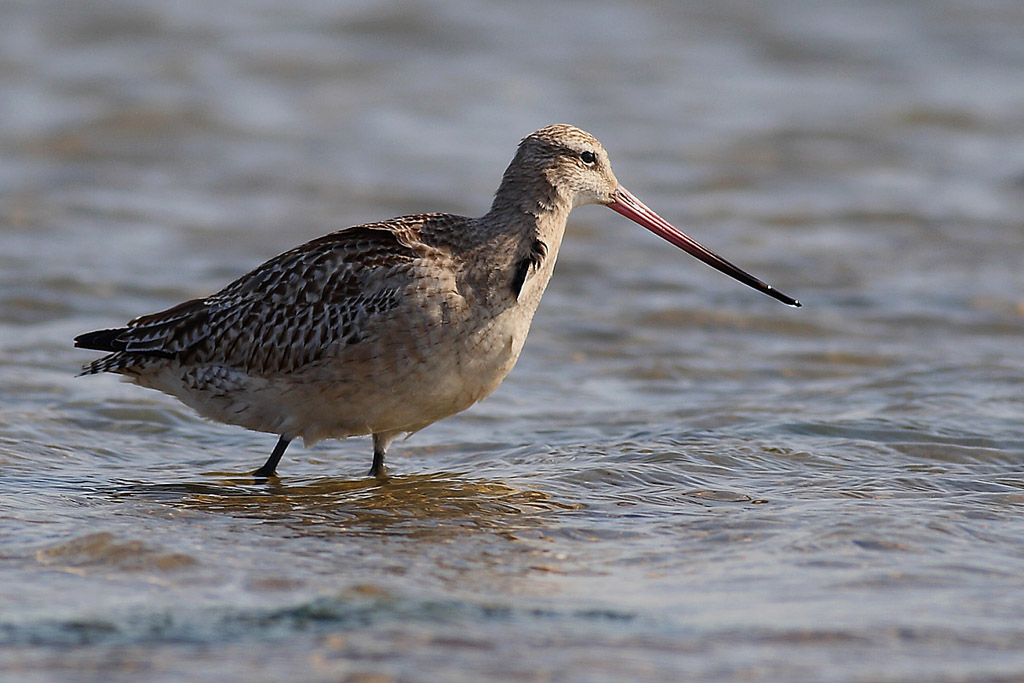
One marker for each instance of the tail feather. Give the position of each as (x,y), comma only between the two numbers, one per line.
(114,362)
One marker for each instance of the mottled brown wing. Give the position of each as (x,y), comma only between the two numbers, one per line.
(287,312)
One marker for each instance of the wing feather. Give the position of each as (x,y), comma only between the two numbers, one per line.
(289,311)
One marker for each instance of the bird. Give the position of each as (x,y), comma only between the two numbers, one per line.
(384,328)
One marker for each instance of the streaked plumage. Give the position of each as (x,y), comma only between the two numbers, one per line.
(381,328)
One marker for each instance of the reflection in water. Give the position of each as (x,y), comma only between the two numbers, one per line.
(439,529)
(418,505)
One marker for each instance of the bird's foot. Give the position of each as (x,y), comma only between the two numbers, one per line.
(265,472)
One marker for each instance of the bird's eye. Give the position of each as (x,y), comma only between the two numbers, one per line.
(588,157)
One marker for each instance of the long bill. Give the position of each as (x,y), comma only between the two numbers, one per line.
(635,210)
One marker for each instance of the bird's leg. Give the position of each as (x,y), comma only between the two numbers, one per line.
(377,468)
(380,449)
(269,468)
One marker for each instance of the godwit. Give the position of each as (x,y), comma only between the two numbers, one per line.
(387,327)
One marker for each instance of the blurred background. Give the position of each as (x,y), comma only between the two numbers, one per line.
(682,479)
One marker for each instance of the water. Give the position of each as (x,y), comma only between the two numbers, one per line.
(682,479)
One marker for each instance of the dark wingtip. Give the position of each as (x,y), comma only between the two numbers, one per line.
(101,340)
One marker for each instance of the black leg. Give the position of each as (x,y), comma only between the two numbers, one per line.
(269,468)
(380,449)
(377,468)
(381,442)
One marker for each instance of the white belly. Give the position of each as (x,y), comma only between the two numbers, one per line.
(394,383)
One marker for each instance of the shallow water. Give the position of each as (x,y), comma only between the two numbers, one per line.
(682,479)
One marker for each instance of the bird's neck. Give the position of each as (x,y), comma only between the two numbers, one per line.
(529,208)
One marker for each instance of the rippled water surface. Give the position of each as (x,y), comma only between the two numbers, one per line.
(682,479)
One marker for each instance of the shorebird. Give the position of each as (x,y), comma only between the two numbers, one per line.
(383,328)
